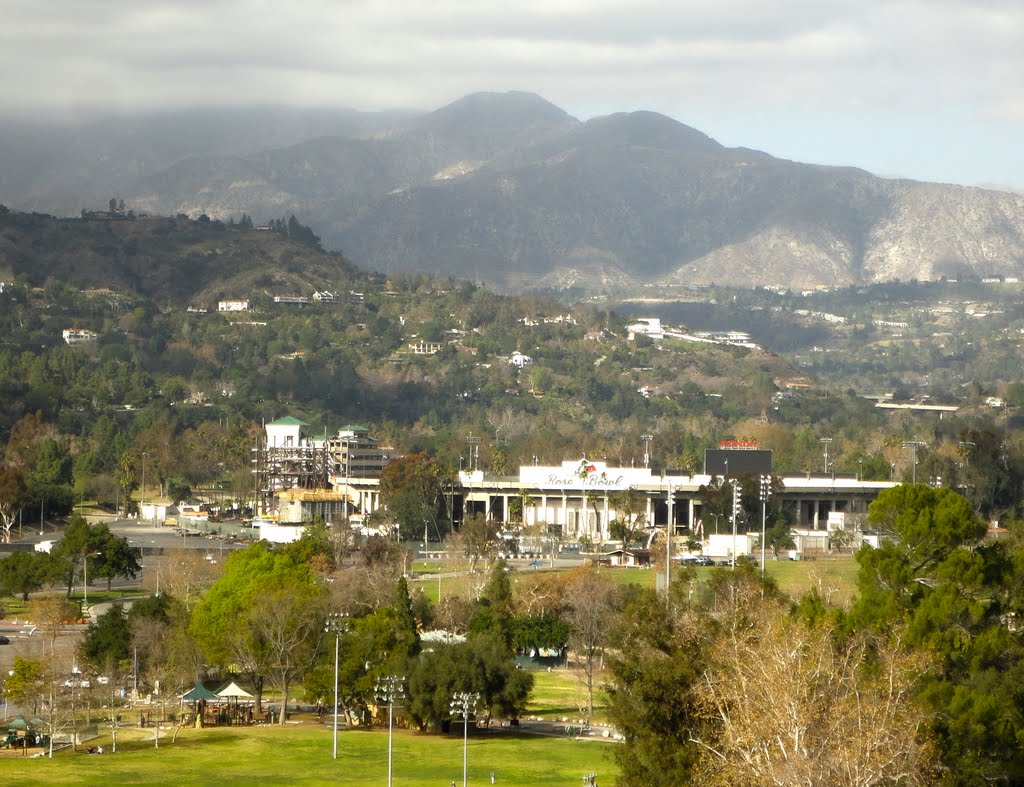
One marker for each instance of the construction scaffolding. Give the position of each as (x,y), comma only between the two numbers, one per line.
(278,468)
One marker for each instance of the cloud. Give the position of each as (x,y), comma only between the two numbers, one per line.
(686,58)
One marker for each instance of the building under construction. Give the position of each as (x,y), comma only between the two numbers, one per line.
(298,476)
(285,457)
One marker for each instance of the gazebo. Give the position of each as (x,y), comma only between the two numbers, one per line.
(200,695)
(237,699)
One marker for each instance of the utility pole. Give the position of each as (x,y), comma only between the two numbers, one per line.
(915,444)
(826,442)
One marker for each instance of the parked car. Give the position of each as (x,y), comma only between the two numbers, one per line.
(4,640)
(704,560)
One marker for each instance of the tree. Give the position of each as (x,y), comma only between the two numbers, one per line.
(226,624)
(476,540)
(22,573)
(25,685)
(81,542)
(494,613)
(655,663)
(289,620)
(541,631)
(108,638)
(13,493)
(788,702)
(590,613)
(116,557)
(954,597)
(52,615)
(779,537)
(412,489)
(482,665)
(631,520)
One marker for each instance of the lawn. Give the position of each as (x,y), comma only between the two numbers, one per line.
(302,753)
(835,577)
(560,694)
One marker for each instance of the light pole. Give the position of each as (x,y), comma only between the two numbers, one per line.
(85,577)
(826,442)
(336,622)
(736,492)
(647,448)
(668,540)
(766,493)
(389,688)
(142,494)
(464,703)
(915,444)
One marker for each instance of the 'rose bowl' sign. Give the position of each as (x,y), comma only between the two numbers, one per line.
(584,474)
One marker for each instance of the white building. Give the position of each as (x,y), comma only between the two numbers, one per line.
(233,306)
(520,360)
(78,336)
(646,326)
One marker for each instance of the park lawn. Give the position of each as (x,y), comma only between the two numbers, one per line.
(302,753)
(561,695)
(834,577)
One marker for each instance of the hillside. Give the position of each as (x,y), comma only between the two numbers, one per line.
(510,190)
(169,260)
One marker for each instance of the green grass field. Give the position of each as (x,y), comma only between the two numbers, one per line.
(302,754)
(835,578)
(560,694)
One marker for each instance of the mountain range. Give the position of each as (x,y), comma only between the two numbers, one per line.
(510,190)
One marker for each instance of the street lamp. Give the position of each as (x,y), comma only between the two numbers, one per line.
(647,448)
(336,622)
(464,703)
(85,577)
(388,688)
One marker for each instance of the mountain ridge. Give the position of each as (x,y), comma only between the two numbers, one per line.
(510,189)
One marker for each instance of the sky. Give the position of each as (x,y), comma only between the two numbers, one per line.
(928,89)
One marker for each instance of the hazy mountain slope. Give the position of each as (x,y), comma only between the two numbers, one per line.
(63,167)
(509,189)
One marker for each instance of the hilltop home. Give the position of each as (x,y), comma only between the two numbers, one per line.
(78,336)
(233,306)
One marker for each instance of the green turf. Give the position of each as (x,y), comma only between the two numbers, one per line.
(302,754)
(561,694)
(835,578)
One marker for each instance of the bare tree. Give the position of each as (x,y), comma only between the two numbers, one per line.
(476,540)
(788,704)
(182,574)
(53,615)
(590,611)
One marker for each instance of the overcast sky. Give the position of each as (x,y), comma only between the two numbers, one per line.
(928,89)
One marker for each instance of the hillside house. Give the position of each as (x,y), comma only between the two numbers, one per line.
(233,306)
(520,360)
(74,336)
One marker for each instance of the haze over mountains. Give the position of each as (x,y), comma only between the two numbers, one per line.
(510,190)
